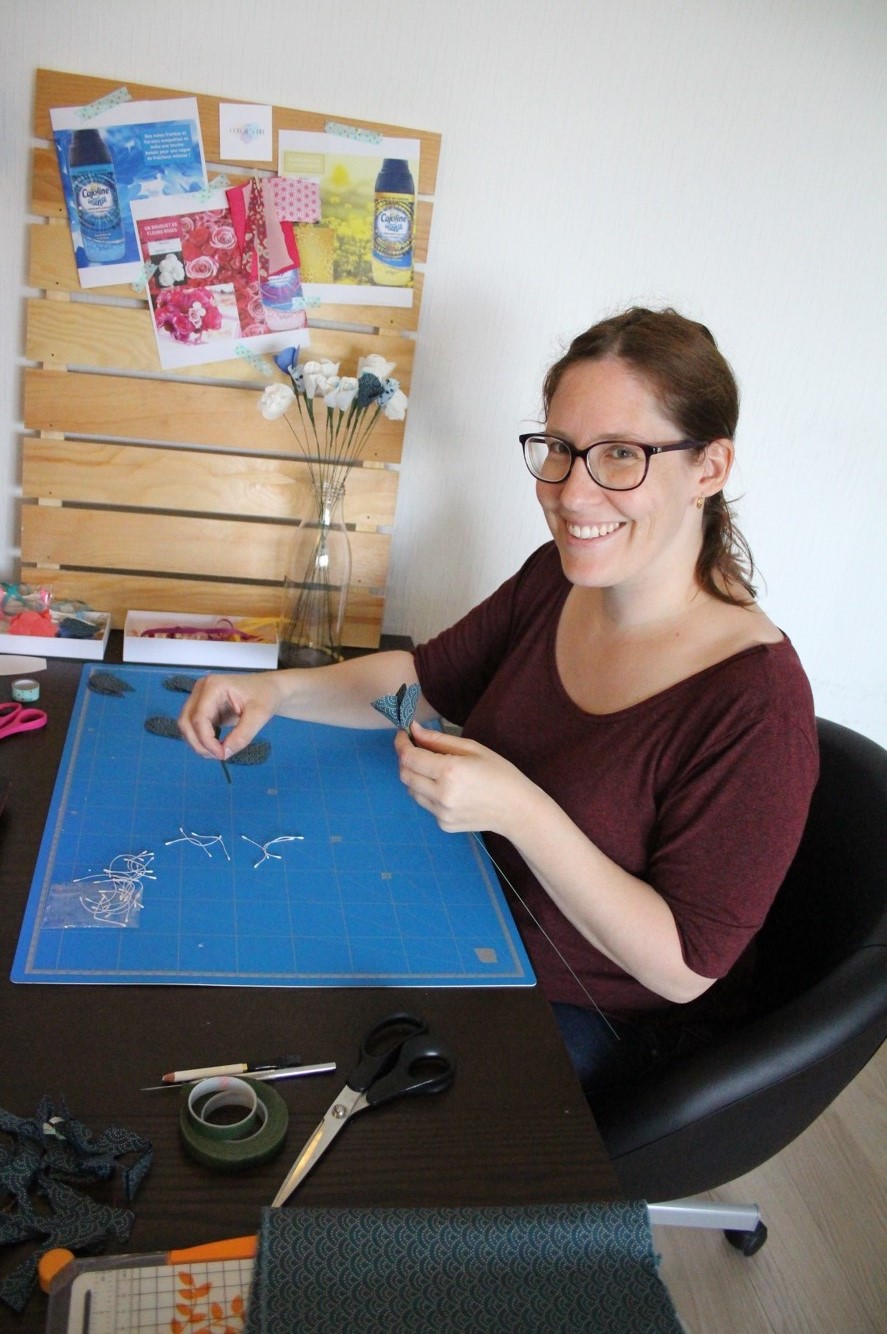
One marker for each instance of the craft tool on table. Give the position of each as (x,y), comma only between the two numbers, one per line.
(233,1068)
(25,690)
(232,1145)
(146,1294)
(15,717)
(371,893)
(398,1057)
(265,1073)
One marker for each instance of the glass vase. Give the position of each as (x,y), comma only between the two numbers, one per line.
(315,586)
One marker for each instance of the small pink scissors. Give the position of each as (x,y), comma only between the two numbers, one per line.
(15,718)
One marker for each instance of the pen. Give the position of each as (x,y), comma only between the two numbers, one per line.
(236,1068)
(267,1073)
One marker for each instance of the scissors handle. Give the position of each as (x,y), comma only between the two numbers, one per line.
(424,1064)
(14,718)
(379,1049)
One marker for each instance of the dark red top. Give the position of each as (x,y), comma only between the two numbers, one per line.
(702,790)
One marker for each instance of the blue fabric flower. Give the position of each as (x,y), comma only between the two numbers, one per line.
(287,359)
(369,387)
(389,389)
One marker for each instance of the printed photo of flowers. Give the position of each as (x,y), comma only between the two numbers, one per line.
(204,301)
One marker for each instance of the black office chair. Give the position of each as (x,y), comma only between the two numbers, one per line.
(819,1014)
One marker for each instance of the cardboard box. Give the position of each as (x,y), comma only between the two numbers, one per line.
(253,655)
(37,646)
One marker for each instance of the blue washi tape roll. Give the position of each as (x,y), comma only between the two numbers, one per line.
(264,1128)
(25,691)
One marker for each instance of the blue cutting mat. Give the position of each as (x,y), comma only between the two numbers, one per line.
(373,893)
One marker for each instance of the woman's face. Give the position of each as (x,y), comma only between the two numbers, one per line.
(621,538)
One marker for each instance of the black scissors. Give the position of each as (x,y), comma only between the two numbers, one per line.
(398,1057)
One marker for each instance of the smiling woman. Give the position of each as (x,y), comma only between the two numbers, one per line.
(695,388)
(638,740)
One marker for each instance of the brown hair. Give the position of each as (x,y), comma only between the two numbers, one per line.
(697,390)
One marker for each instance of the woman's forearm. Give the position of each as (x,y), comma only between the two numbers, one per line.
(343,693)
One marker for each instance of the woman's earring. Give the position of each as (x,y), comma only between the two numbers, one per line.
(700,501)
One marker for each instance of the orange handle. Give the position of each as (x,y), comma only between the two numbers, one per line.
(231,1248)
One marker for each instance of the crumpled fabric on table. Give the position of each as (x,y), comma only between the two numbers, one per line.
(52,1154)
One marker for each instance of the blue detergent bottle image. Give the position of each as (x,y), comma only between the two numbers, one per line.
(393,223)
(96,199)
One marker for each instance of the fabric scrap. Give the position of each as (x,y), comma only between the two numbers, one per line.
(52,1153)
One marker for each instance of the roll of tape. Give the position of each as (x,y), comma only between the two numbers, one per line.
(209,1095)
(237,1155)
(25,690)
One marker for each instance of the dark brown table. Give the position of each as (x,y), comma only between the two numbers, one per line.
(514,1129)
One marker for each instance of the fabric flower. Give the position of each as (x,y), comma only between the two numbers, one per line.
(324,385)
(376,365)
(287,359)
(313,369)
(344,395)
(396,407)
(275,401)
(331,441)
(369,388)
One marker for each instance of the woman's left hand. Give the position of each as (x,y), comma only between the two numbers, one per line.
(464,785)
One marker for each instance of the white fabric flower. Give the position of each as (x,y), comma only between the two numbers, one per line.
(376,365)
(314,369)
(396,407)
(344,394)
(275,401)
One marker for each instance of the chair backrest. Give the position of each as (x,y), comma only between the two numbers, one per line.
(820,1004)
(833,900)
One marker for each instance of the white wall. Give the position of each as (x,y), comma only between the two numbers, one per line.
(723,156)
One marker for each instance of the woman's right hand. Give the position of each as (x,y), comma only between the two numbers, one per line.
(215,701)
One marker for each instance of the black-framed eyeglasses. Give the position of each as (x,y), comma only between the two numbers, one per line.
(616,465)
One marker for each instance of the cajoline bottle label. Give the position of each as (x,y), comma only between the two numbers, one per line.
(95,195)
(393,229)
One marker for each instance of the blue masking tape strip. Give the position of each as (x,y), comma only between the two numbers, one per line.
(258,363)
(303,302)
(104,104)
(217,183)
(353,132)
(140,282)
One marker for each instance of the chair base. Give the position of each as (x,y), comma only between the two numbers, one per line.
(740,1223)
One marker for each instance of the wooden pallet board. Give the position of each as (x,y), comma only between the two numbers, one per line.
(167,490)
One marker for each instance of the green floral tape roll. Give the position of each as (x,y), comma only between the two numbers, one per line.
(210,1095)
(263,1137)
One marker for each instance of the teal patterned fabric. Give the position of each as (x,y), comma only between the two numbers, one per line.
(548,1269)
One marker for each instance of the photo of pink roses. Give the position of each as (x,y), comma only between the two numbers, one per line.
(201,294)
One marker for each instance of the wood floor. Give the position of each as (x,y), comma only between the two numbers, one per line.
(823,1269)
